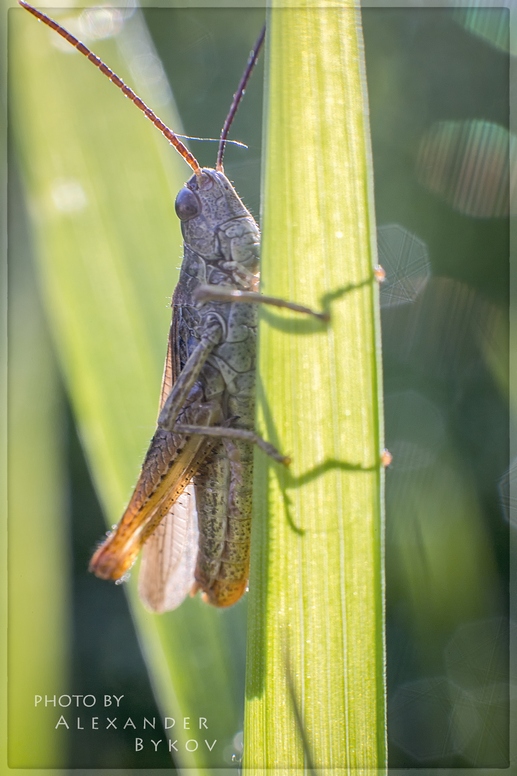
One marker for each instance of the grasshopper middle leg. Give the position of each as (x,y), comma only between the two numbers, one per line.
(235,433)
(207,293)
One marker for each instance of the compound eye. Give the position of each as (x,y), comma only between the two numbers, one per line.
(187,205)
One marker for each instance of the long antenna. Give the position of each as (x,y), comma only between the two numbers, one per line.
(158,123)
(237,97)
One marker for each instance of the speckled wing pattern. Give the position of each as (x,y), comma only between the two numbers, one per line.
(169,554)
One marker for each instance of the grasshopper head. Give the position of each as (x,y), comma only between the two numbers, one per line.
(204,205)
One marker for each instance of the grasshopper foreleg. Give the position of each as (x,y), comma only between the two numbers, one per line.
(176,400)
(235,433)
(205,293)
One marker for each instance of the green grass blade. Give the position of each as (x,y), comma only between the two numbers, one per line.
(315,683)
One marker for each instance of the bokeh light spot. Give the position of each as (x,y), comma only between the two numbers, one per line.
(405,260)
(491,24)
(100,23)
(508,493)
(68,196)
(467,163)
(421,719)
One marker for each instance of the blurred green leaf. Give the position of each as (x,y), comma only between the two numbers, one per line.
(38,536)
(101,183)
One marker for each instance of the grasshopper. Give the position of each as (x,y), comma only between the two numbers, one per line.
(190,511)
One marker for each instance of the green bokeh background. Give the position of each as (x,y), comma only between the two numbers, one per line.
(431,73)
